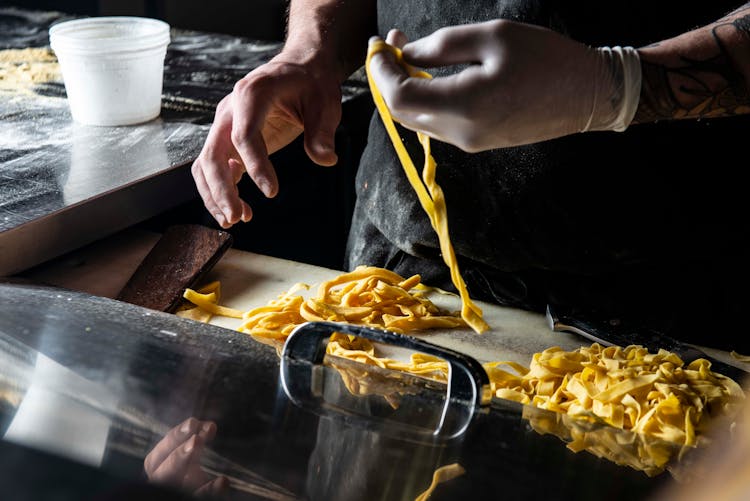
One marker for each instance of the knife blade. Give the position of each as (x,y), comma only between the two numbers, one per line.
(181,257)
(613,333)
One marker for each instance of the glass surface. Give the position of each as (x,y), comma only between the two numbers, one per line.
(105,384)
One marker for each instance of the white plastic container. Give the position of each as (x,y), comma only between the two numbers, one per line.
(113,67)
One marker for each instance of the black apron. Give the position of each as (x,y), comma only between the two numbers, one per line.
(649,224)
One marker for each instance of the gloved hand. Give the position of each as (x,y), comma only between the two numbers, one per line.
(523,84)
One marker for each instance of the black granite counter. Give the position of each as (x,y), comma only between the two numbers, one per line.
(63,185)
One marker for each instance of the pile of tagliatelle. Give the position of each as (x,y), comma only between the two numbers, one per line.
(654,394)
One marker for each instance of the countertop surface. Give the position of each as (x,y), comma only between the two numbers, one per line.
(143,372)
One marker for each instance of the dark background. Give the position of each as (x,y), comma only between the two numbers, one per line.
(262,19)
(309,219)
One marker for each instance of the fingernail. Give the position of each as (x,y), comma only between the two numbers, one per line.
(325,148)
(220,484)
(188,447)
(265,187)
(373,39)
(220,218)
(206,427)
(185,428)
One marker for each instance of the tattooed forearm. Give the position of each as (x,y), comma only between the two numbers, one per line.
(701,74)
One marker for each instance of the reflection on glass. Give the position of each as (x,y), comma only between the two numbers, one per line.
(398,384)
(383,394)
(625,448)
(56,414)
(643,452)
(182,459)
(389,384)
(47,406)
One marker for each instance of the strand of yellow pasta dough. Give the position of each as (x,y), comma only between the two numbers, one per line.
(209,304)
(433,202)
(442,474)
(206,304)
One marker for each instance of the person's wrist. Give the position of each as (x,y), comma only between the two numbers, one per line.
(318,59)
(616,89)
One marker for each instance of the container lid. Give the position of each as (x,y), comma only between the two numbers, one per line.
(98,35)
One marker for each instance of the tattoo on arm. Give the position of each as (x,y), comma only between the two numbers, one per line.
(702,74)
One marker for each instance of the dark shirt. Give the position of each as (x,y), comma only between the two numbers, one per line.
(647,224)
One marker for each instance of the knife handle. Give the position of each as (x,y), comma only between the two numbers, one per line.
(608,334)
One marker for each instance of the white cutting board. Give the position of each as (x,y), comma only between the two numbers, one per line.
(250,280)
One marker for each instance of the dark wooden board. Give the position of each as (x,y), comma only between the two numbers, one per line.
(179,259)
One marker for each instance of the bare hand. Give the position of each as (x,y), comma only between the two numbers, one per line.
(267,110)
(175,460)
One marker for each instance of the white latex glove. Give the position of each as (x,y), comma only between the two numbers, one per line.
(524,84)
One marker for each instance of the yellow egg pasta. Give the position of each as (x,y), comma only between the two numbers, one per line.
(629,388)
(208,295)
(657,398)
(428,191)
(442,474)
(369,296)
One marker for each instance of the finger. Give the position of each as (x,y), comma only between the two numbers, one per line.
(176,437)
(176,466)
(194,476)
(447,46)
(216,487)
(205,193)
(397,38)
(426,96)
(385,71)
(251,106)
(217,175)
(321,121)
(238,170)
(262,171)
(403,93)
(207,431)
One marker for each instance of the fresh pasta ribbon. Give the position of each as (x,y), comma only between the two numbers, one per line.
(429,193)
(205,303)
(442,474)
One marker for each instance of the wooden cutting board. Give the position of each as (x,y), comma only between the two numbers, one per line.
(250,280)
